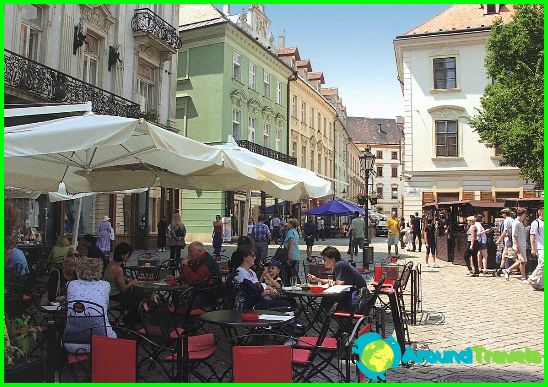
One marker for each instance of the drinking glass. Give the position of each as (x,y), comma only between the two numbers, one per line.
(294,281)
(330,280)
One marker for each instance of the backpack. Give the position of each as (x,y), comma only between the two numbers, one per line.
(510,242)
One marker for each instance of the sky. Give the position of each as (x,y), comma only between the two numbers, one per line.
(352,44)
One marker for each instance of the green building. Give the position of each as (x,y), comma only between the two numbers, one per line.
(229,82)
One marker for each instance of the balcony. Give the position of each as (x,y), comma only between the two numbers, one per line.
(146,23)
(263,151)
(29,78)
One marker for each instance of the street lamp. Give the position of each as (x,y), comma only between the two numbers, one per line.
(367,159)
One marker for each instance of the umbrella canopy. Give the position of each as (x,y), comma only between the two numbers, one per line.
(96,153)
(245,170)
(336,208)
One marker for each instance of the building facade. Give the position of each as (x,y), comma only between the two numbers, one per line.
(441,70)
(384,137)
(230,82)
(121,57)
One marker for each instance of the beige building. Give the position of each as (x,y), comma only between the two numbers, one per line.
(311,117)
(441,69)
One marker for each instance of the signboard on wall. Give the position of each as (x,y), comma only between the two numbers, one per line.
(413,191)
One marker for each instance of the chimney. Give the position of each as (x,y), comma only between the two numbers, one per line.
(281,41)
(226,9)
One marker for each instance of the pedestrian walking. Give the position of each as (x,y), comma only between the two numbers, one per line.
(309,229)
(177,233)
(162,234)
(358,234)
(261,237)
(217,236)
(393,226)
(505,240)
(482,248)
(417,231)
(105,234)
(472,247)
(291,243)
(536,279)
(429,235)
(519,246)
(402,232)
(321,227)
(275,223)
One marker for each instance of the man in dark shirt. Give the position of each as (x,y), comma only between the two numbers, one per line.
(309,229)
(417,231)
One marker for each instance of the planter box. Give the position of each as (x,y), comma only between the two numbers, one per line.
(32,371)
(362,201)
(373,201)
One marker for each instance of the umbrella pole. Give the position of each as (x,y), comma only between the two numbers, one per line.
(246,211)
(76,225)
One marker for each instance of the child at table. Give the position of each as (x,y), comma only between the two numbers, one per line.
(271,276)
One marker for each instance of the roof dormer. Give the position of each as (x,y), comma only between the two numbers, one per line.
(491,9)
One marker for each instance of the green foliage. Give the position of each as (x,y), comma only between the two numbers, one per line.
(512,108)
(22,336)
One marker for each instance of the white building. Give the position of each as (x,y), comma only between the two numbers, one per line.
(384,137)
(441,70)
(121,57)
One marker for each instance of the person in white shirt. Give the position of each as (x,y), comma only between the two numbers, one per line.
(321,226)
(506,230)
(536,279)
(482,250)
(519,246)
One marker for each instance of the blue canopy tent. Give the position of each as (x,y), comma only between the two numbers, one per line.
(335,208)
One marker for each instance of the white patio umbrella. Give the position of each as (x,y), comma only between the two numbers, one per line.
(97,153)
(245,170)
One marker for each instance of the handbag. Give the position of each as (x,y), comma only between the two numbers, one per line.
(281,254)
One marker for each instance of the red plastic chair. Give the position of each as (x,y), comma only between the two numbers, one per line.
(113,360)
(275,364)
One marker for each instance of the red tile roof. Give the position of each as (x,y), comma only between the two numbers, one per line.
(315,77)
(304,63)
(329,91)
(366,130)
(462,17)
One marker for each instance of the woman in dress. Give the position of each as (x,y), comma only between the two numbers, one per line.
(105,234)
(89,287)
(59,278)
(177,233)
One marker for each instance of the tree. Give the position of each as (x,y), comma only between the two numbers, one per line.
(512,108)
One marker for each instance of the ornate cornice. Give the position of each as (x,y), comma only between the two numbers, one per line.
(98,16)
(239,99)
(268,114)
(280,119)
(254,107)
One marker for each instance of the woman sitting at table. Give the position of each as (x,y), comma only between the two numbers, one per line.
(89,287)
(247,277)
(58,253)
(343,272)
(58,278)
(120,286)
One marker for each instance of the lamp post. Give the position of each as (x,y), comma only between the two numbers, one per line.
(368,159)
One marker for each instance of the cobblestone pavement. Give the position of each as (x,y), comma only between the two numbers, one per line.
(460,312)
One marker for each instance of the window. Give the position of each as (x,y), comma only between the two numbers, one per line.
(446,139)
(278,139)
(379,155)
(266,81)
(380,191)
(394,171)
(319,122)
(394,192)
(303,113)
(394,155)
(31,27)
(326,168)
(266,135)
(491,8)
(325,126)
(252,76)
(146,82)
(312,157)
(91,64)
(303,156)
(379,171)
(278,92)
(237,66)
(294,106)
(294,149)
(445,73)
(251,129)
(311,122)
(236,125)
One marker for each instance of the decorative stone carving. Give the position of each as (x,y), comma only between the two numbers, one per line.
(268,114)
(98,16)
(239,99)
(148,50)
(446,112)
(280,119)
(254,107)
(313,141)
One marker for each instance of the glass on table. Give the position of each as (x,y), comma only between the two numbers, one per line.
(294,280)
(330,280)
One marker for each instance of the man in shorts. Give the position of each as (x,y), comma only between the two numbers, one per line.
(519,246)
(358,233)
(393,226)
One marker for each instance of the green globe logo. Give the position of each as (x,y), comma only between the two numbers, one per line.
(377,356)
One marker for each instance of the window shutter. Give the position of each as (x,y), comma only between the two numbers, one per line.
(428,197)
(468,195)
(486,196)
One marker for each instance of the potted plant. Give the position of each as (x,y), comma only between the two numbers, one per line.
(372,198)
(364,197)
(20,338)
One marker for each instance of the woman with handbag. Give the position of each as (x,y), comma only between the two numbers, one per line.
(177,233)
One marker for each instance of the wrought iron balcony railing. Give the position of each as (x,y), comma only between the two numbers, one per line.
(38,80)
(145,20)
(264,151)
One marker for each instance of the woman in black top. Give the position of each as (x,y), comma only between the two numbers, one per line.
(429,235)
(162,233)
(58,278)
